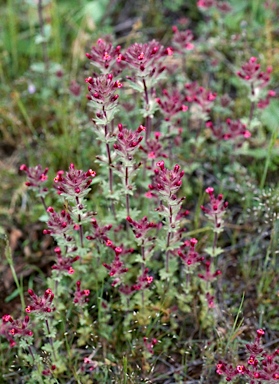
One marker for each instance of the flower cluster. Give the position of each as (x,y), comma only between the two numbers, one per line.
(58,223)
(153,148)
(210,300)
(146,58)
(208,275)
(41,304)
(49,371)
(200,98)
(128,142)
(234,130)
(36,177)
(263,103)
(104,56)
(188,253)
(116,268)
(143,282)
(81,295)
(259,366)
(99,232)
(167,182)
(75,88)
(141,227)
(251,73)
(89,365)
(103,96)
(149,345)
(11,328)
(64,263)
(222,6)
(182,40)
(215,210)
(75,183)
(171,103)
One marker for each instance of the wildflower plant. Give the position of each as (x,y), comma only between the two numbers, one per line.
(261,366)
(139,256)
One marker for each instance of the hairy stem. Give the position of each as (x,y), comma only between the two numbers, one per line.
(169,239)
(127,186)
(80,226)
(43,202)
(142,271)
(50,340)
(110,169)
(252,106)
(147,119)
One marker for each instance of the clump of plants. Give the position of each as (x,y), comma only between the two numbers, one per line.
(145,275)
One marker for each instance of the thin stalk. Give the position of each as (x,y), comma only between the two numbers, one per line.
(264,273)
(215,237)
(66,246)
(147,119)
(43,202)
(13,34)
(80,225)
(80,232)
(169,239)
(24,113)
(34,361)
(196,231)
(70,354)
(170,144)
(42,32)
(110,167)
(187,282)
(9,257)
(50,340)
(236,325)
(56,19)
(109,162)
(127,194)
(267,160)
(125,370)
(252,106)
(142,271)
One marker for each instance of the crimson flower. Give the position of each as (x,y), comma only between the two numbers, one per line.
(12,329)
(104,56)
(74,183)
(41,304)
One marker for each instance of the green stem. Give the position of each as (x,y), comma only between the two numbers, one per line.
(169,238)
(147,119)
(9,257)
(267,160)
(42,32)
(80,225)
(126,187)
(50,340)
(24,113)
(13,35)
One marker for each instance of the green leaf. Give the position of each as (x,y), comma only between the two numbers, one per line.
(270,115)
(136,86)
(214,252)
(164,275)
(14,294)
(96,9)
(38,67)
